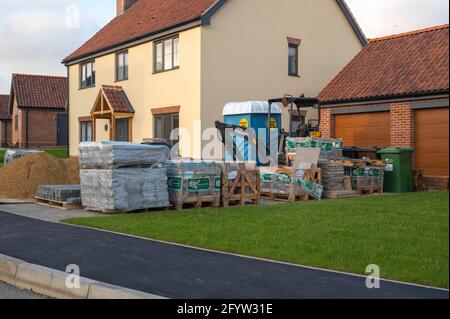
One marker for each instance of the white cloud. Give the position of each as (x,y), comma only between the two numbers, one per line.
(34,36)
(385,17)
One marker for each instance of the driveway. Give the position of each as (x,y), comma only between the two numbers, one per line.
(178,272)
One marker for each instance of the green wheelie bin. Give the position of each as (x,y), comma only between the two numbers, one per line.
(398,177)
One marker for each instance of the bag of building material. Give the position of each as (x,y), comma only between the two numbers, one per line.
(121,154)
(367,177)
(329,148)
(12,155)
(313,189)
(124,189)
(281,181)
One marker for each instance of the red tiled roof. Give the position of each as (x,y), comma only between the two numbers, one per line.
(405,64)
(143,18)
(117,99)
(40,91)
(4,110)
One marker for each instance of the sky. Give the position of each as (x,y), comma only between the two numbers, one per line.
(35,35)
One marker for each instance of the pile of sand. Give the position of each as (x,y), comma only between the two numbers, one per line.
(21,178)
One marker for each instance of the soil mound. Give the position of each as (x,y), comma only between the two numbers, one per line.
(21,178)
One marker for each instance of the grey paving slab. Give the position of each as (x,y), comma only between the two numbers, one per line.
(43,212)
(8,292)
(180,272)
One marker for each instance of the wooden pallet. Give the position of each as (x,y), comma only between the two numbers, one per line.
(313,175)
(370,190)
(119,212)
(197,200)
(361,163)
(287,198)
(244,188)
(56,204)
(341,194)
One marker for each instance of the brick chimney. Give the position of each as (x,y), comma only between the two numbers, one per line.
(124,5)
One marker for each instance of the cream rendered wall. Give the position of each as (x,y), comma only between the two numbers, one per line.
(16,136)
(245,51)
(145,90)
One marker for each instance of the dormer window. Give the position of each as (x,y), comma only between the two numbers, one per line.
(167,55)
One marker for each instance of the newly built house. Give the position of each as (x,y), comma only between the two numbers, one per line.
(395,93)
(166,64)
(37,105)
(5,121)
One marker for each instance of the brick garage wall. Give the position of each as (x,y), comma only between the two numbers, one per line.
(327,123)
(5,132)
(402,125)
(42,128)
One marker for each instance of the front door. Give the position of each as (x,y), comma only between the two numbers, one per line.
(62,131)
(122,130)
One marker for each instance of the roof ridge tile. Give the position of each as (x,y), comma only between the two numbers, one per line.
(410,33)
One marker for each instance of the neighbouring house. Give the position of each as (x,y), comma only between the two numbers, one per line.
(5,121)
(166,64)
(395,92)
(37,106)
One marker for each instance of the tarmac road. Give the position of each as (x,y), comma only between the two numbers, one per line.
(177,272)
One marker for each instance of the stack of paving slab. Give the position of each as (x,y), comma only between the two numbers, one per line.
(193,182)
(333,179)
(123,177)
(60,193)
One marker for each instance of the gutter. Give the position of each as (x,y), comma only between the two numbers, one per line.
(135,41)
(336,103)
(204,19)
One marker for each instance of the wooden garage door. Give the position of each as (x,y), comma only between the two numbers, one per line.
(431,141)
(366,129)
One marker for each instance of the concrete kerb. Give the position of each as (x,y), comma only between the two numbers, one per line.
(100,290)
(8,269)
(52,283)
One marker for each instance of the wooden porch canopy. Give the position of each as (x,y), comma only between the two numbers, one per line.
(113,104)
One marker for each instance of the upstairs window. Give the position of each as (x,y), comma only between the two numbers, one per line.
(293,60)
(293,56)
(122,66)
(167,55)
(87,75)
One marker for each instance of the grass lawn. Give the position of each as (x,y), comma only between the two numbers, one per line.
(63,153)
(2,156)
(57,153)
(406,235)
